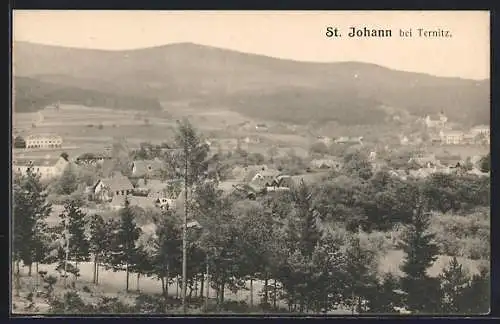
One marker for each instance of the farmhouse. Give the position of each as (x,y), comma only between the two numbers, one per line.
(116,185)
(43,141)
(47,168)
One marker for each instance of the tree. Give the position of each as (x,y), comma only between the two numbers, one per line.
(357,164)
(307,217)
(422,292)
(477,295)
(485,163)
(99,242)
(79,246)
(191,158)
(68,182)
(30,210)
(385,296)
(361,269)
(454,281)
(319,148)
(126,238)
(166,252)
(19,142)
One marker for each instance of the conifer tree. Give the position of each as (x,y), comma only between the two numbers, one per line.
(98,242)
(79,246)
(30,210)
(422,292)
(454,281)
(126,238)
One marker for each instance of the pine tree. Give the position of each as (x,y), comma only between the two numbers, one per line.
(68,182)
(385,296)
(30,209)
(454,281)
(126,240)
(167,250)
(361,266)
(79,246)
(422,292)
(476,296)
(98,242)
(307,218)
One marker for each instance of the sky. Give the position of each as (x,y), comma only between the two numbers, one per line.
(297,35)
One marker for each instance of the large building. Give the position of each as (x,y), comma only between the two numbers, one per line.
(452,137)
(43,141)
(47,168)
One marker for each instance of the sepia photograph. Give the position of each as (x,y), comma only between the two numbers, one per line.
(280,163)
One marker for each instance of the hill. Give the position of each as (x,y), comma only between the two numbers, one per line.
(259,86)
(32,94)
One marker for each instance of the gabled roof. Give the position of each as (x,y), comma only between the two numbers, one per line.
(117,182)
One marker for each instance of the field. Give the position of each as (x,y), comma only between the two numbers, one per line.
(86,129)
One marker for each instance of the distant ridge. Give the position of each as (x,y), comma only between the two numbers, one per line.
(259,86)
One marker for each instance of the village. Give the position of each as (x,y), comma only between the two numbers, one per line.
(146,184)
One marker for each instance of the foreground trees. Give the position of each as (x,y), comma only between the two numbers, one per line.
(315,247)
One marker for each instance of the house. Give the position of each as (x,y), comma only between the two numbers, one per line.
(251,140)
(92,159)
(422,160)
(146,168)
(116,185)
(117,202)
(469,138)
(165,203)
(43,141)
(439,123)
(47,168)
(245,174)
(325,140)
(349,140)
(261,127)
(154,187)
(451,137)
(265,177)
(483,130)
(326,164)
(404,140)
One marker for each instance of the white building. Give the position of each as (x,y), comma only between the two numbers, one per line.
(480,130)
(47,168)
(43,141)
(452,137)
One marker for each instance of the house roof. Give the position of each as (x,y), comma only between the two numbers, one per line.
(453,133)
(152,184)
(46,161)
(143,202)
(35,137)
(143,167)
(117,182)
